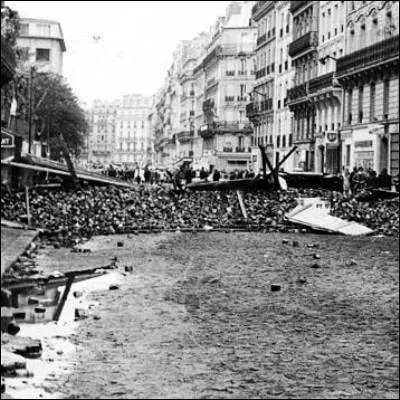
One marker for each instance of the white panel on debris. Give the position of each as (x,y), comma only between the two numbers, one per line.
(317,217)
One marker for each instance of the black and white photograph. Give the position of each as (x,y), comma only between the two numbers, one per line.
(199,199)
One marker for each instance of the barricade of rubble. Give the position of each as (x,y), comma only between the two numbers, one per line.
(66,217)
(381,216)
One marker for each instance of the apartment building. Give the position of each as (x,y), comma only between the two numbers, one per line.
(224,77)
(324,91)
(304,52)
(41,43)
(132,142)
(369,74)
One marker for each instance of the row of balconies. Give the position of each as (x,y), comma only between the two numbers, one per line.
(209,130)
(240,73)
(369,56)
(270,69)
(231,99)
(322,82)
(298,92)
(313,86)
(255,108)
(236,150)
(304,43)
(185,135)
(268,35)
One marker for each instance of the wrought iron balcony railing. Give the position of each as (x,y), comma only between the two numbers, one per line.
(222,127)
(303,43)
(261,73)
(322,82)
(298,92)
(261,39)
(369,56)
(251,110)
(185,135)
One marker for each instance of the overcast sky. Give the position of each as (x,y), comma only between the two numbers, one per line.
(137,40)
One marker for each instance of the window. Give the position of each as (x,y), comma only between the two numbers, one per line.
(42,55)
(360,104)
(372,102)
(43,29)
(284,141)
(350,106)
(23,53)
(386,92)
(24,29)
(242,90)
(348,155)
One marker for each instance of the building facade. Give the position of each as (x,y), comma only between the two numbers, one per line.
(132,143)
(262,109)
(119,132)
(41,43)
(304,53)
(224,78)
(201,111)
(102,132)
(324,91)
(283,117)
(369,74)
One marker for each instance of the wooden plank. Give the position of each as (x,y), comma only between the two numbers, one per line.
(64,173)
(287,156)
(64,297)
(241,203)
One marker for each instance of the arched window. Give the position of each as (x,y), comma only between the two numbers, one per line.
(363,32)
(287,22)
(388,21)
(373,27)
(352,37)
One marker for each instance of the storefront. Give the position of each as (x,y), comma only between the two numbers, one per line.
(369,147)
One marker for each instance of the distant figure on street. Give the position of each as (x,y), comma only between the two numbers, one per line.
(203,174)
(138,178)
(352,177)
(216,176)
(188,176)
(360,180)
(385,180)
(371,180)
(147,174)
(346,183)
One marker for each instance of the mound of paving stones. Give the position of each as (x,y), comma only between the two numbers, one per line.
(67,217)
(381,216)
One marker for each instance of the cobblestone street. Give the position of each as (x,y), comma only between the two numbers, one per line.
(197,319)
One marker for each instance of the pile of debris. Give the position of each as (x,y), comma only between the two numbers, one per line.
(381,216)
(68,216)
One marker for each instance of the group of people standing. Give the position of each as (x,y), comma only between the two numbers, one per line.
(136,175)
(360,179)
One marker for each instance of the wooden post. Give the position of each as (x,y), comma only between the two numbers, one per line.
(64,297)
(28,210)
(241,202)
